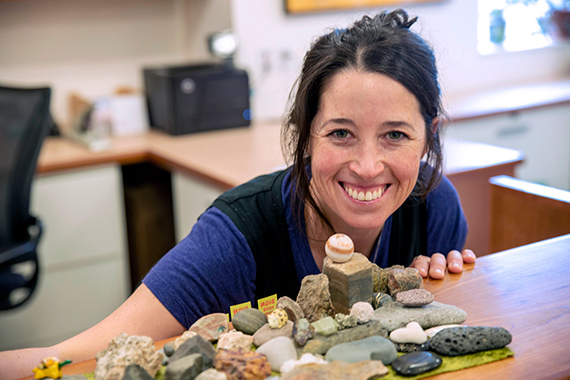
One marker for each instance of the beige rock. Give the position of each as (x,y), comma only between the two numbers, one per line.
(183,338)
(314,297)
(235,339)
(337,370)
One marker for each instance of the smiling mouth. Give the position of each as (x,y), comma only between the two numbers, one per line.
(365,195)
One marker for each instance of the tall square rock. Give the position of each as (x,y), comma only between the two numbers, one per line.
(349,282)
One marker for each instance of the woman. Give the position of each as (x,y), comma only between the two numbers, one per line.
(366,110)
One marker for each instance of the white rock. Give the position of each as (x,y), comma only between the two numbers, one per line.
(304,359)
(412,333)
(235,339)
(434,330)
(278,351)
(211,374)
(363,311)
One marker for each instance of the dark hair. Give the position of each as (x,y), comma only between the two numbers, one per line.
(382,44)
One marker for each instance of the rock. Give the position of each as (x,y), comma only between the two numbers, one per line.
(339,248)
(302,331)
(395,315)
(294,311)
(416,363)
(136,372)
(337,371)
(211,374)
(211,326)
(123,351)
(266,333)
(325,326)
(234,339)
(186,368)
(381,299)
(248,321)
(320,344)
(414,297)
(412,333)
(349,282)
(277,319)
(168,349)
(434,330)
(304,359)
(196,345)
(363,311)
(381,348)
(345,321)
(73,377)
(278,351)
(412,347)
(240,364)
(380,277)
(400,280)
(314,297)
(183,338)
(465,340)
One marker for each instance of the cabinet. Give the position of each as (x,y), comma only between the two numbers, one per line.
(543,134)
(82,255)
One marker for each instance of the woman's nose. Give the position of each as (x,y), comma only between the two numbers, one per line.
(368,163)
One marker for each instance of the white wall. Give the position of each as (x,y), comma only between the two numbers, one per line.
(450,26)
(91,47)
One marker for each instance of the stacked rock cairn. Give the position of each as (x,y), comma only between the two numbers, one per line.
(350,321)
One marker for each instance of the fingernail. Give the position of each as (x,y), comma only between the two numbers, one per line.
(437,271)
(455,265)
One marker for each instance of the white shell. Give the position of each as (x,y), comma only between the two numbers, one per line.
(339,248)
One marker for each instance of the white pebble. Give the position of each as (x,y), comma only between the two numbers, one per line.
(363,311)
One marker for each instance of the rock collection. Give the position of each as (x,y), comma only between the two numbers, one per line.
(348,322)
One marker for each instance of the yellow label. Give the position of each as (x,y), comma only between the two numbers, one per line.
(235,308)
(267,304)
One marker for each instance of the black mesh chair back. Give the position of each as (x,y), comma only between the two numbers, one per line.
(24,123)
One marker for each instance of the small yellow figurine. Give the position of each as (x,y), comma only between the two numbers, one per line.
(49,367)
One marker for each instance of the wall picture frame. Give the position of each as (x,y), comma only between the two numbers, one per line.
(315,6)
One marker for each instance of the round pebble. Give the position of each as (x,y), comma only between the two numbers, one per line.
(363,311)
(339,248)
(416,363)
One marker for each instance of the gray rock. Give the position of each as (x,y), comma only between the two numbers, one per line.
(395,315)
(415,297)
(186,368)
(372,348)
(465,340)
(136,372)
(381,299)
(412,347)
(168,349)
(314,297)
(278,351)
(266,333)
(416,363)
(248,321)
(196,345)
(320,344)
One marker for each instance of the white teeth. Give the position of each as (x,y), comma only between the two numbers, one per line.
(361,196)
(368,196)
(375,194)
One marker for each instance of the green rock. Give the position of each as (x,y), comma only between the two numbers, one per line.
(325,326)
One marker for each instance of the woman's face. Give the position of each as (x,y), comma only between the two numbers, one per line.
(367,140)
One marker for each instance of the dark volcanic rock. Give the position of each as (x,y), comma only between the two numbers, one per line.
(465,340)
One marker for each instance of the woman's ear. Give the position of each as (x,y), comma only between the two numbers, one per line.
(435,125)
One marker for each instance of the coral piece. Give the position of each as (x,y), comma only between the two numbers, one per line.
(240,364)
(314,297)
(363,311)
(339,248)
(123,351)
(277,319)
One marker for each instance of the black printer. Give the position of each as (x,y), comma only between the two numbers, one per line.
(196,98)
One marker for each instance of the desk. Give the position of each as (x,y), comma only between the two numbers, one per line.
(525,290)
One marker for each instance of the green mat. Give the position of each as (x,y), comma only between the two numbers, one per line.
(449,364)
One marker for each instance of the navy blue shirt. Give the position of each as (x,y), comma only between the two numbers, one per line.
(213,268)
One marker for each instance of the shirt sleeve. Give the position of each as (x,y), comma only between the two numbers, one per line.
(210,270)
(447,226)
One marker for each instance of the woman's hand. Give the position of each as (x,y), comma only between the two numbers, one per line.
(435,265)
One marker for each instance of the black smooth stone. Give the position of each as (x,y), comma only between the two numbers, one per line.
(416,363)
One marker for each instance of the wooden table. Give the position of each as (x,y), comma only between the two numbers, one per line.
(525,290)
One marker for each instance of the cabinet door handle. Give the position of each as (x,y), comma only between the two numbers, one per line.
(513,131)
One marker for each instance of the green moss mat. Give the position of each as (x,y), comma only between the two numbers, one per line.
(449,364)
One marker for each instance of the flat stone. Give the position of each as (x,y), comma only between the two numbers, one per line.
(381,299)
(314,297)
(372,348)
(400,280)
(184,368)
(196,345)
(337,370)
(380,277)
(412,347)
(414,297)
(278,351)
(320,344)
(395,315)
(211,326)
(416,363)
(266,333)
(302,331)
(234,339)
(412,333)
(466,340)
(325,326)
(349,282)
(294,311)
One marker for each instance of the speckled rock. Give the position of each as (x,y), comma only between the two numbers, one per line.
(234,339)
(465,340)
(363,311)
(294,311)
(400,280)
(249,320)
(338,370)
(196,345)
(381,299)
(380,278)
(345,321)
(302,331)
(240,364)
(266,333)
(278,351)
(412,347)
(416,363)
(183,338)
(372,348)
(211,326)
(314,297)
(123,351)
(277,319)
(395,315)
(414,297)
(412,333)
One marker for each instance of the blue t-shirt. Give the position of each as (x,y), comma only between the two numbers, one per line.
(213,268)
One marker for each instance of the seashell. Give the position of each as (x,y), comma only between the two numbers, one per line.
(277,319)
(339,248)
(248,321)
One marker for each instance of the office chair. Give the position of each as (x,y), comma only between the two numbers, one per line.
(24,122)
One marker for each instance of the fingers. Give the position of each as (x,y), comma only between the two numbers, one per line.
(437,266)
(421,263)
(454,262)
(468,256)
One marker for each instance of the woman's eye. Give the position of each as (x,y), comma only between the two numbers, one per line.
(341,133)
(395,135)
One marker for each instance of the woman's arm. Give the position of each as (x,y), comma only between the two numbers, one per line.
(141,314)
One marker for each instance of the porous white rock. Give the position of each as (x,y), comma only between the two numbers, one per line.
(304,359)
(412,333)
(363,311)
